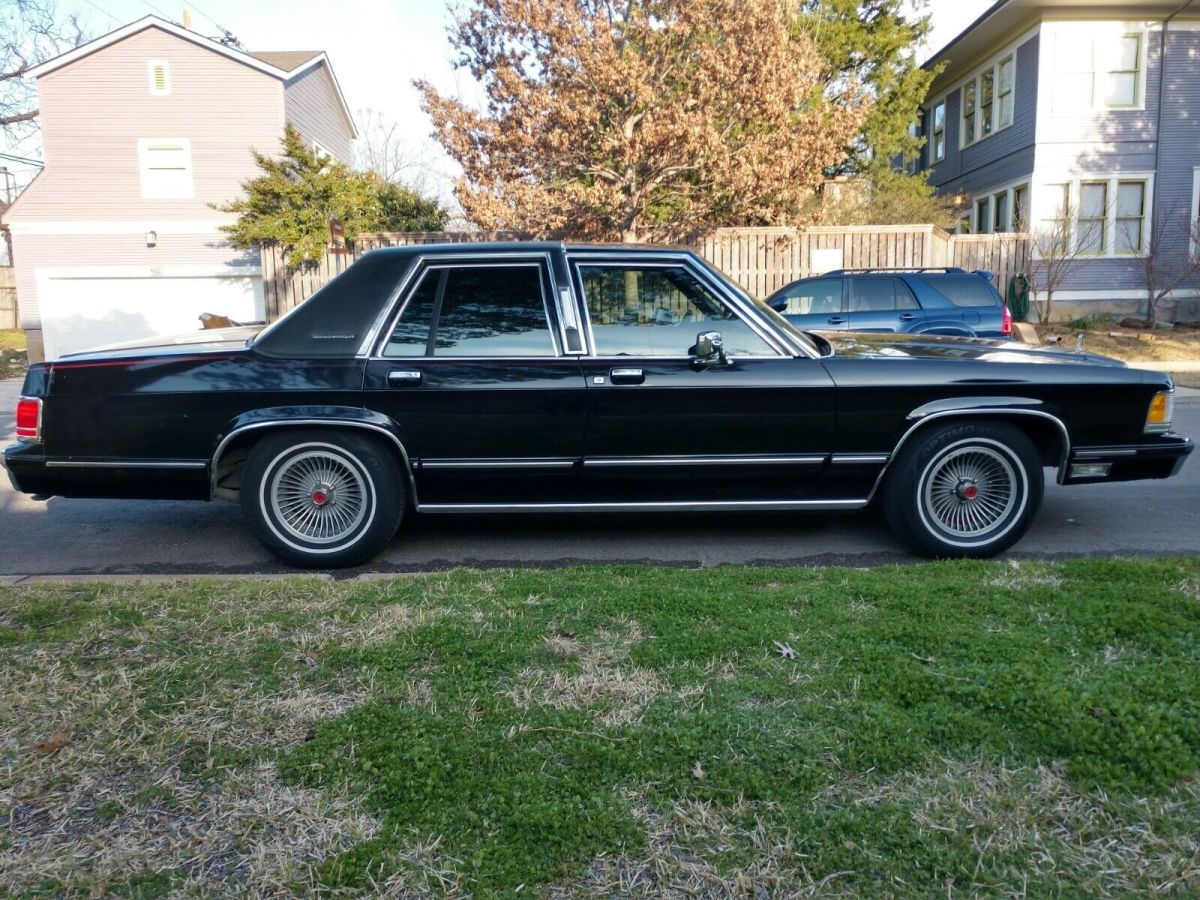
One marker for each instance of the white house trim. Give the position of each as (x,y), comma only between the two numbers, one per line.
(162,226)
(1040,212)
(1136,294)
(45,273)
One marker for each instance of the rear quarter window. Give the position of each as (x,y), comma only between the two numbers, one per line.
(965,290)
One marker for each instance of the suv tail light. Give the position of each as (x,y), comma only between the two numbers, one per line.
(1006,322)
(29,419)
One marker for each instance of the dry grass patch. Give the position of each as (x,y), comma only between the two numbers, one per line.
(604,683)
(1060,834)
(679,857)
(1020,577)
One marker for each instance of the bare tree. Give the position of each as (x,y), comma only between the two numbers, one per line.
(386,149)
(31,32)
(1054,252)
(1166,265)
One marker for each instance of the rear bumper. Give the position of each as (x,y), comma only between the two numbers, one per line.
(1157,457)
(31,472)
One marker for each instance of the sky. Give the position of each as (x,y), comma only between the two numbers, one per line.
(376,47)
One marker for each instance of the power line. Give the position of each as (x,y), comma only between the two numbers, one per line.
(114,19)
(22,159)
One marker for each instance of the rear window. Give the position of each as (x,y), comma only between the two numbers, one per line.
(965,290)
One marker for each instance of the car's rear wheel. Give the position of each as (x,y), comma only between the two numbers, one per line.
(964,490)
(322,500)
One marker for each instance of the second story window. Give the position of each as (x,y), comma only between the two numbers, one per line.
(1099,69)
(166,168)
(988,100)
(937,141)
(159,71)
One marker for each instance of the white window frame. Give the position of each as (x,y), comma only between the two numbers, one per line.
(933,131)
(995,126)
(1112,181)
(150,191)
(321,153)
(1009,193)
(1194,215)
(1097,34)
(153,64)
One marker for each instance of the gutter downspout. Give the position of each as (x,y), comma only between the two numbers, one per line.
(1162,80)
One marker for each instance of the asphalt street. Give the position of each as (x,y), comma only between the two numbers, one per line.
(83,537)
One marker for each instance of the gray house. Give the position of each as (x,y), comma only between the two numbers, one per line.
(1083,111)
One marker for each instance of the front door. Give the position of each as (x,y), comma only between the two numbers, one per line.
(475,373)
(664,426)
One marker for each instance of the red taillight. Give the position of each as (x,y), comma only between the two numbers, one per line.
(29,419)
(1006,324)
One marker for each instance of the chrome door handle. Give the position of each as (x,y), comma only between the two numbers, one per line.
(626,376)
(836,320)
(403,376)
(907,317)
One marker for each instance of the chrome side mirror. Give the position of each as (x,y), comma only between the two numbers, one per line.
(709,348)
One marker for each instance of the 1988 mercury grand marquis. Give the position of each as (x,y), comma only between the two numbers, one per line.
(544,377)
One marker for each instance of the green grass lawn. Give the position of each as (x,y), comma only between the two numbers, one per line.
(950,728)
(12,340)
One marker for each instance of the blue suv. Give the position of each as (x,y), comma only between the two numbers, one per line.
(916,301)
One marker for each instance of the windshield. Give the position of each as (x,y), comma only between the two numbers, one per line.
(800,337)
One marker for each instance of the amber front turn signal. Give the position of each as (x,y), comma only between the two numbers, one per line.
(1161,408)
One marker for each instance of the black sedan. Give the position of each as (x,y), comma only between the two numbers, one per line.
(550,378)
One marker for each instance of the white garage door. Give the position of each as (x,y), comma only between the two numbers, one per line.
(88,308)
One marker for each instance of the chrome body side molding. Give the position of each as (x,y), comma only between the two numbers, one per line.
(664,506)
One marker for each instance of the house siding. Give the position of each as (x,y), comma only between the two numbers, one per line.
(311,106)
(1002,157)
(95,109)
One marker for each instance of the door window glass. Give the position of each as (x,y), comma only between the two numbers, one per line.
(658,312)
(904,296)
(872,294)
(820,297)
(475,311)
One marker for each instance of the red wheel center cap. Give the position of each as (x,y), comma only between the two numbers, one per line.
(319,497)
(968,491)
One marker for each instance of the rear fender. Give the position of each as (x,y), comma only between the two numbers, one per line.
(255,423)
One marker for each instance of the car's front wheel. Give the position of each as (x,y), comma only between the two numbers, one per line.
(322,500)
(964,490)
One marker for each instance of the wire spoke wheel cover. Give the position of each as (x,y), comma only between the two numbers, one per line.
(972,492)
(318,496)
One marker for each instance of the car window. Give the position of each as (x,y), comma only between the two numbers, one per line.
(872,294)
(821,296)
(965,290)
(475,311)
(905,299)
(658,312)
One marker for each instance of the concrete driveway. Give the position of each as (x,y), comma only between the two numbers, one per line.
(108,536)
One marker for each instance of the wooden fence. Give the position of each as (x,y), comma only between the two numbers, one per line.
(8,298)
(761,260)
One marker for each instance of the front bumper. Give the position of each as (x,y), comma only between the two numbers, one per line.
(1159,456)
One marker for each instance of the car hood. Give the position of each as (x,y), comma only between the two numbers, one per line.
(207,341)
(927,346)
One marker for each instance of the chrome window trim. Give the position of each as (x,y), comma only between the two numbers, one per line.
(428,261)
(995,412)
(648,260)
(125,464)
(1103,454)
(664,506)
(284,423)
(613,462)
(364,348)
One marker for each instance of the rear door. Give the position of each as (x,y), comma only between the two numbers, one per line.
(881,303)
(814,304)
(476,372)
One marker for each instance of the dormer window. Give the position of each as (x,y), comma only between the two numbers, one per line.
(159,71)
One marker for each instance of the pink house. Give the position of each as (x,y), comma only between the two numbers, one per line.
(144,130)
